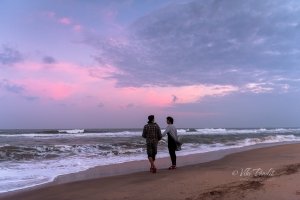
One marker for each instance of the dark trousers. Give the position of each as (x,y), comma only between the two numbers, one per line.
(172,148)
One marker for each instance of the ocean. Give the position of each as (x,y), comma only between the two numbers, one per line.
(33,157)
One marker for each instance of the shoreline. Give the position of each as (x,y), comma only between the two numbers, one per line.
(134,167)
(161,163)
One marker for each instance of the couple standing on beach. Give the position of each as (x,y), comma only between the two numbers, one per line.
(153,134)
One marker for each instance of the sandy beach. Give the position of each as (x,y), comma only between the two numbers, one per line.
(264,173)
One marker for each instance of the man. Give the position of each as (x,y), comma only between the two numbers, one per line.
(152,133)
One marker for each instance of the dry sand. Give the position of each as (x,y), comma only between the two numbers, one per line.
(264,173)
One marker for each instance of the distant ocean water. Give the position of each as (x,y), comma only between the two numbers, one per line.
(34,157)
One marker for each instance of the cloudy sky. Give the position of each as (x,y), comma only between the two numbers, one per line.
(111,63)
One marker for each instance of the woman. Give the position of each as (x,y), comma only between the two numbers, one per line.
(173,143)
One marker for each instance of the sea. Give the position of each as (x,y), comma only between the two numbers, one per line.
(33,157)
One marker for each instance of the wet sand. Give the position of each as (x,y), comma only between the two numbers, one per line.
(264,173)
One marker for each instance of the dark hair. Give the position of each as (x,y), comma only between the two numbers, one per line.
(170,119)
(150,118)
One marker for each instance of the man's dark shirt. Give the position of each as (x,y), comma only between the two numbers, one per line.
(151,132)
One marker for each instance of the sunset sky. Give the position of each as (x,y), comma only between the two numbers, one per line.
(111,63)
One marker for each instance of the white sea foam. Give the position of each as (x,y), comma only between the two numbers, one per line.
(68,135)
(72,131)
(211,131)
(193,148)
(28,174)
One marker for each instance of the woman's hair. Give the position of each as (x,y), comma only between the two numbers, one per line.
(170,119)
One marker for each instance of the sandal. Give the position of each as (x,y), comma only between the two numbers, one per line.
(172,167)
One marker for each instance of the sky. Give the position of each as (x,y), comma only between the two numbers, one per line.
(111,63)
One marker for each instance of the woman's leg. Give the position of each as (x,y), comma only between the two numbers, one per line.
(172,147)
(173,156)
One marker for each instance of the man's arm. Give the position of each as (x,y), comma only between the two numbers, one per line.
(144,135)
(158,132)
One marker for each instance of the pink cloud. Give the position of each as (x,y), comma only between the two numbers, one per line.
(49,83)
(61,80)
(69,22)
(65,21)
(77,28)
(48,89)
(70,82)
(169,96)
